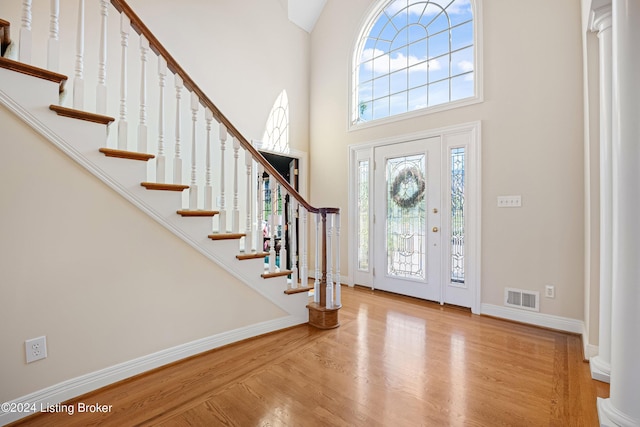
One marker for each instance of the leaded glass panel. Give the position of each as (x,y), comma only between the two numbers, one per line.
(363,215)
(457,214)
(406,214)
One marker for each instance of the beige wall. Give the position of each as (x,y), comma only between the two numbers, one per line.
(242,54)
(532,141)
(103,282)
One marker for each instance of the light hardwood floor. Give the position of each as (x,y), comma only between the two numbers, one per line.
(394,361)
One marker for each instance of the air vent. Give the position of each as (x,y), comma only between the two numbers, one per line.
(518,298)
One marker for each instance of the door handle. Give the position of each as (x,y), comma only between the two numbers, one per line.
(434,229)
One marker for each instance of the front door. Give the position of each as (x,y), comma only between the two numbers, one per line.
(407,244)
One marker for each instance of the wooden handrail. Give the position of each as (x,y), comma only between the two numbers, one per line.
(159,49)
(5,36)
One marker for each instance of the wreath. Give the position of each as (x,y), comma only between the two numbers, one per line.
(410,177)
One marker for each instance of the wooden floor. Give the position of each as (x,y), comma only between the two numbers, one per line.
(394,361)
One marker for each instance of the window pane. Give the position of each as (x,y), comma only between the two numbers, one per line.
(365,111)
(399,59)
(462,87)
(418,98)
(439,92)
(398,103)
(417,32)
(380,108)
(462,61)
(381,87)
(439,68)
(460,11)
(399,81)
(438,44)
(418,75)
(462,36)
(365,91)
(418,50)
(381,65)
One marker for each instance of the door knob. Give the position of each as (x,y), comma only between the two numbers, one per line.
(434,229)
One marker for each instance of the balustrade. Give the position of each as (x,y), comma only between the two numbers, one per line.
(283,234)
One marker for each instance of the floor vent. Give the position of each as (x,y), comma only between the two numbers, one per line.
(518,298)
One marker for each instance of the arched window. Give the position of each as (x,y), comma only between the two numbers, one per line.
(276,130)
(413,55)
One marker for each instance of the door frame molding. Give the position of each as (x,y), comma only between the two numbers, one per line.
(473,189)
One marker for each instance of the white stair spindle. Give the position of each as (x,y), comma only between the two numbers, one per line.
(281,221)
(338,290)
(248,240)
(222,216)
(292,232)
(329,261)
(78,81)
(142,126)
(177,160)
(235,214)
(261,229)
(304,268)
(161,172)
(53,49)
(101,88)
(193,187)
(273,199)
(316,283)
(123,127)
(25,33)
(208,189)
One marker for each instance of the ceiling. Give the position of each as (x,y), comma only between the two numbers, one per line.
(304,13)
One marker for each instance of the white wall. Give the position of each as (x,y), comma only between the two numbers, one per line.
(242,54)
(532,141)
(102,281)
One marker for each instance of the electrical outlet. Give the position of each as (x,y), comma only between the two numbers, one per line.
(36,349)
(550,291)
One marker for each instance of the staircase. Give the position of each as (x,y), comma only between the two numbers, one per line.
(174,155)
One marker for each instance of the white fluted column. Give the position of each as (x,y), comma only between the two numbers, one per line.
(621,408)
(601,364)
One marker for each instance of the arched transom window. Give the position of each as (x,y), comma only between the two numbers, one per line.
(412,55)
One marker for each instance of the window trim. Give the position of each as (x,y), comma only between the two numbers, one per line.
(364,29)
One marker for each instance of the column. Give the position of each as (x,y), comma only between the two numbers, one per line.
(601,364)
(621,408)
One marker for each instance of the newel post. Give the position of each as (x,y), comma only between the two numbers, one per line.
(323,313)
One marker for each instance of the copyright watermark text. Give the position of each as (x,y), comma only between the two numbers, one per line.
(68,408)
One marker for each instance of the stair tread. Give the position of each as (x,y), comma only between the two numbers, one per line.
(292,291)
(197,212)
(124,154)
(30,70)
(226,236)
(253,255)
(276,274)
(81,115)
(161,186)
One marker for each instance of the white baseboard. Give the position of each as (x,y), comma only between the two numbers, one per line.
(534,318)
(78,386)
